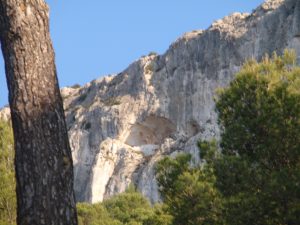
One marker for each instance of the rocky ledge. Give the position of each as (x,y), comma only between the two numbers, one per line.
(121,125)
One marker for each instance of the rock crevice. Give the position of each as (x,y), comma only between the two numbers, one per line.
(121,125)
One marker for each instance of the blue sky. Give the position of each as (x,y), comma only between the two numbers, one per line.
(99,37)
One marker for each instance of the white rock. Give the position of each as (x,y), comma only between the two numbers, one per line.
(121,125)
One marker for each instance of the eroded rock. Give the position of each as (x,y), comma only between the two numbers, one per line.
(121,125)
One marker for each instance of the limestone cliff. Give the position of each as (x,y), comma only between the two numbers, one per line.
(121,125)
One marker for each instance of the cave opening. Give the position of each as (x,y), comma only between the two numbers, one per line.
(153,130)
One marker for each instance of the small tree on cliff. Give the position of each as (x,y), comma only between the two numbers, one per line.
(43,162)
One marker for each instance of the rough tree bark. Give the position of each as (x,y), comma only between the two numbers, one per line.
(44,167)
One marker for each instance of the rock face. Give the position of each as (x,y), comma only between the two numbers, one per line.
(5,113)
(121,125)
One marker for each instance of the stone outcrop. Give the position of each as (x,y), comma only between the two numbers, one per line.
(5,113)
(121,125)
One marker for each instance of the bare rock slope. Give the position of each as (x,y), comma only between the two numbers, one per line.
(121,125)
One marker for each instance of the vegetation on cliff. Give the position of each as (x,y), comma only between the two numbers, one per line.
(251,176)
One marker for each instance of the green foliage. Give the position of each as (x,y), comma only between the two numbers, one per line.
(94,214)
(258,173)
(168,170)
(7,177)
(255,176)
(160,216)
(197,201)
(189,193)
(76,86)
(260,112)
(209,151)
(152,53)
(129,208)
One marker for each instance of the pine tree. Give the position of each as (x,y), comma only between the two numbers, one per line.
(44,168)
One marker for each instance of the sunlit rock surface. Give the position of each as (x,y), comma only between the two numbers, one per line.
(121,125)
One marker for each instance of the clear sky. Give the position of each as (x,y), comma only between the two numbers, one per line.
(99,37)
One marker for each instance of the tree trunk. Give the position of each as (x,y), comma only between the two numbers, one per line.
(44,168)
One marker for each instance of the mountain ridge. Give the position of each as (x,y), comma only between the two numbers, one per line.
(121,125)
